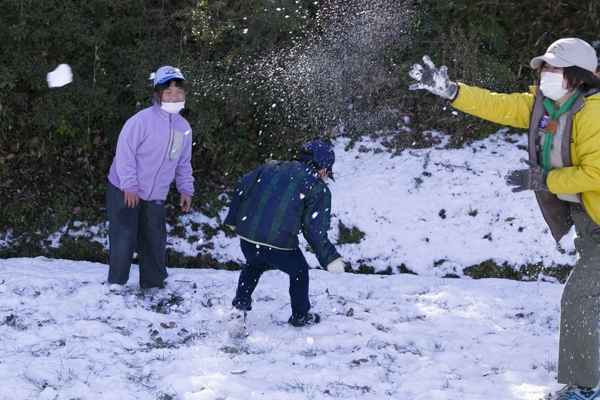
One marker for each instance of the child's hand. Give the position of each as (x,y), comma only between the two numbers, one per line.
(185,202)
(131,199)
(336,267)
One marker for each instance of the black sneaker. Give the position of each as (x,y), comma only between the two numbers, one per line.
(308,319)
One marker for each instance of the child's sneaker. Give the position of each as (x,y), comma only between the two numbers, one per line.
(237,322)
(116,288)
(308,319)
(574,393)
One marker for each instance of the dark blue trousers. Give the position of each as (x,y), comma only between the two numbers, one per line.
(142,227)
(292,262)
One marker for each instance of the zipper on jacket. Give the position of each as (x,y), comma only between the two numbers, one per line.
(163,161)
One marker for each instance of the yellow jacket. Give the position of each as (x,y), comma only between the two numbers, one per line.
(582,176)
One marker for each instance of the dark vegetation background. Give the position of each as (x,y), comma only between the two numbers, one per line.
(250,96)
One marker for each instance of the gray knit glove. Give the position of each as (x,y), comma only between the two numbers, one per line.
(533,178)
(432,79)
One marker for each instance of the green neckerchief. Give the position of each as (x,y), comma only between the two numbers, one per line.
(553,114)
(550,105)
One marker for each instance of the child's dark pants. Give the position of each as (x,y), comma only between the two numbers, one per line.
(144,227)
(292,262)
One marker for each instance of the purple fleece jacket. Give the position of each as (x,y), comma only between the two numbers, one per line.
(154,147)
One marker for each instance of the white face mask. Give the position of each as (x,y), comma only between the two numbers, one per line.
(173,108)
(551,85)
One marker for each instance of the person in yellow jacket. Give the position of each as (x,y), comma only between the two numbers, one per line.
(563,119)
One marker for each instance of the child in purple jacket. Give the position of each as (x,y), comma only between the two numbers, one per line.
(154,147)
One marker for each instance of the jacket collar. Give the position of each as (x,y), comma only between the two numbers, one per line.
(578,105)
(581,100)
(163,114)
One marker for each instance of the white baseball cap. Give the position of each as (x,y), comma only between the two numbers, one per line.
(567,53)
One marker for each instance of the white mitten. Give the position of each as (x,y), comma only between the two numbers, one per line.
(336,267)
(432,79)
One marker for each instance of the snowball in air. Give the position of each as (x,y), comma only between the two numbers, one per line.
(61,76)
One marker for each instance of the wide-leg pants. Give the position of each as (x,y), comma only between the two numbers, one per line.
(142,227)
(579,347)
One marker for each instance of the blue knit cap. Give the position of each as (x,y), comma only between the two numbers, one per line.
(319,153)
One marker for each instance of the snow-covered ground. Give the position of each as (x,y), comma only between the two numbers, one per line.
(63,335)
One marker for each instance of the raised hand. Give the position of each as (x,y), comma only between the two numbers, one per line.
(434,80)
